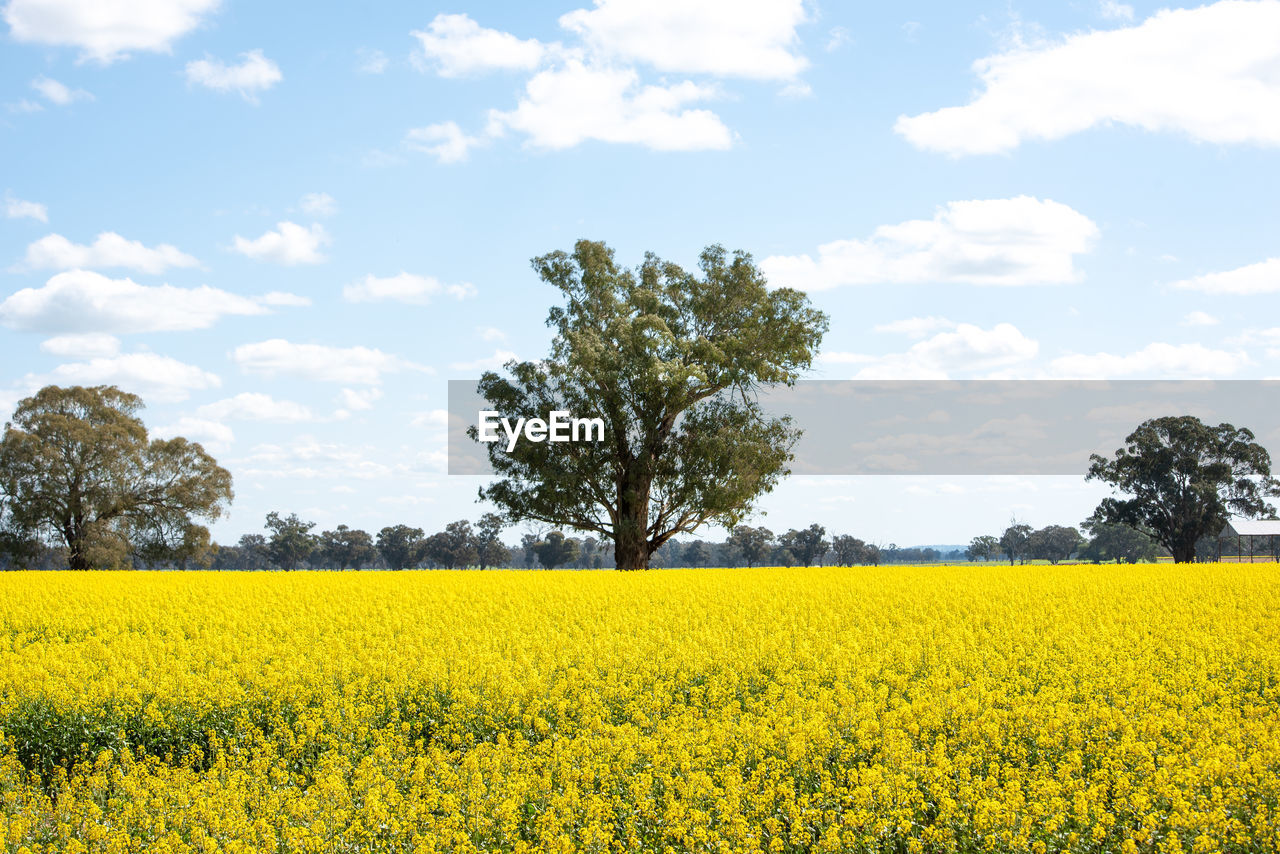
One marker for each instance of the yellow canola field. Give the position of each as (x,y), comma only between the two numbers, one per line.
(965,708)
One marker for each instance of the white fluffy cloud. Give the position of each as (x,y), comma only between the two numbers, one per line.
(347,365)
(404,287)
(84,301)
(1113,10)
(254,406)
(253,74)
(318,204)
(1260,278)
(105,30)
(566,106)
(19,209)
(281,299)
(289,244)
(55,252)
(967,349)
(456,45)
(356,400)
(1018,241)
(592,88)
(738,38)
(372,61)
(444,141)
(59,93)
(213,435)
(1155,361)
(86,345)
(1200,318)
(309,458)
(433,419)
(150,375)
(916,327)
(1207,72)
(486,363)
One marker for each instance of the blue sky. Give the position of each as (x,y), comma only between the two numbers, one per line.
(287,225)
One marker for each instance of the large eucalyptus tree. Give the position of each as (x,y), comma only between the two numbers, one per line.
(672,361)
(78,469)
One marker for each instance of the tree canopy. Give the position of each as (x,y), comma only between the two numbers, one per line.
(1013,542)
(1053,543)
(753,545)
(1185,479)
(808,546)
(555,549)
(78,469)
(291,542)
(401,546)
(346,547)
(672,361)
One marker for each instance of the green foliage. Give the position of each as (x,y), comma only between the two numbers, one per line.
(672,362)
(455,546)
(346,547)
(555,549)
(1119,543)
(1185,479)
(77,468)
(401,546)
(291,542)
(1053,543)
(850,550)
(808,546)
(753,545)
(254,552)
(984,547)
(697,553)
(1014,540)
(489,549)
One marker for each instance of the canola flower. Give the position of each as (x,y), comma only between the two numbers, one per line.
(928,709)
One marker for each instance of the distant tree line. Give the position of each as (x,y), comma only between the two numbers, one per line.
(83,486)
(1106,542)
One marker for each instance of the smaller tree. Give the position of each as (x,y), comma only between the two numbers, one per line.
(345,547)
(808,546)
(291,541)
(848,549)
(489,549)
(453,547)
(1185,480)
(1116,542)
(254,553)
(752,545)
(697,553)
(556,550)
(19,549)
(985,547)
(78,468)
(401,546)
(1053,543)
(1013,542)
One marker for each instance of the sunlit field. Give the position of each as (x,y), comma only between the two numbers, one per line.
(962,708)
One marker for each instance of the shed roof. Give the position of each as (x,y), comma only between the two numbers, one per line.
(1252,528)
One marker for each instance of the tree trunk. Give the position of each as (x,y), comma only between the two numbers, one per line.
(1184,552)
(72,536)
(76,559)
(631,552)
(630,537)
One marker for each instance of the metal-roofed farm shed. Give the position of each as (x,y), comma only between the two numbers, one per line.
(1251,530)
